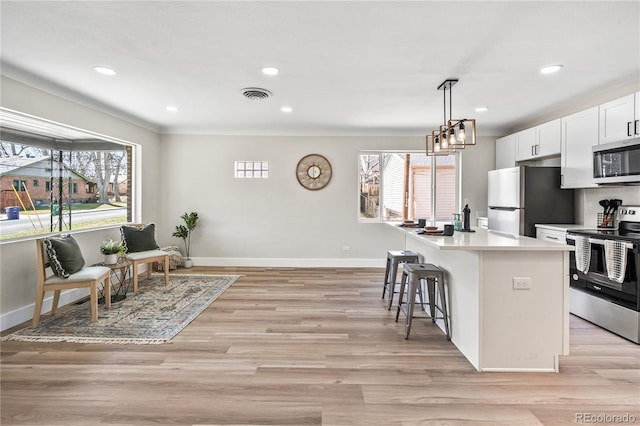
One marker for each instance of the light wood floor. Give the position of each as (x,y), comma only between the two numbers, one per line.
(308,346)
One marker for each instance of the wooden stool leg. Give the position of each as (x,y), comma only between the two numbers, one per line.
(94,302)
(38,308)
(56,300)
(166,270)
(134,271)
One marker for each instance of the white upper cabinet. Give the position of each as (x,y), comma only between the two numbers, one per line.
(548,138)
(620,119)
(506,152)
(526,142)
(579,135)
(540,141)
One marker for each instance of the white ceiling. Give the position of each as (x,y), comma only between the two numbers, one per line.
(346,67)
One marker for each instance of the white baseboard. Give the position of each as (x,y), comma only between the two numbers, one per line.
(18,316)
(289,262)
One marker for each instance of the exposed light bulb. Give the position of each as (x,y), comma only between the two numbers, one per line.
(436,145)
(452,138)
(461,133)
(445,143)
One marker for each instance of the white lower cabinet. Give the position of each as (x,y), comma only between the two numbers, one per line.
(551,235)
(579,135)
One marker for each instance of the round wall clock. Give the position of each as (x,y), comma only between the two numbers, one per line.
(313,171)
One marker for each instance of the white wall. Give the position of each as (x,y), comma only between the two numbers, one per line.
(272,221)
(476,162)
(275,221)
(18,263)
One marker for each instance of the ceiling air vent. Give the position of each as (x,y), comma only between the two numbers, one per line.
(255,93)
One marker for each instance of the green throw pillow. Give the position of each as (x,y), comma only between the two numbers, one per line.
(65,257)
(136,239)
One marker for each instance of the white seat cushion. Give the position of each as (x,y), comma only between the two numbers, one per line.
(141,255)
(88,273)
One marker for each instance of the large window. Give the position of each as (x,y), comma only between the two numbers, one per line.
(399,186)
(61,178)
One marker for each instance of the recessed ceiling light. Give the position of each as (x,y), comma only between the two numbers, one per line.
(270,71)
(286,109)
(482,109)
(105,70)
(171,108)
(551,69)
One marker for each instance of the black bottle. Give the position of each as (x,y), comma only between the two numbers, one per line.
(466,214)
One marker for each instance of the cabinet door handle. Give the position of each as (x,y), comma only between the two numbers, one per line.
(533,151)
(629,128)
(561,180)
(549,237)
(635,127)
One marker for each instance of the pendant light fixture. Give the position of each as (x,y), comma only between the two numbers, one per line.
(454,134)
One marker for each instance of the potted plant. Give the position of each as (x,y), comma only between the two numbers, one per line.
(110,249)
(184,232)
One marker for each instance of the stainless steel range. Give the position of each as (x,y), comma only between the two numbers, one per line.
(604,274)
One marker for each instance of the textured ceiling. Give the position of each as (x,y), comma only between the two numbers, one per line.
(346,67)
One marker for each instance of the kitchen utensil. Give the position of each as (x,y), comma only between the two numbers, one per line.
(615,203)
(605,205)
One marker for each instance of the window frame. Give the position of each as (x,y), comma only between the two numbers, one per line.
(433,191)
(39,128)
(263,169)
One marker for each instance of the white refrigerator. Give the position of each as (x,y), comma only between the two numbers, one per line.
(520,197)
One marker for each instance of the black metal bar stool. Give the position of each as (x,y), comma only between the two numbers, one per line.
(395,258)
(414,274)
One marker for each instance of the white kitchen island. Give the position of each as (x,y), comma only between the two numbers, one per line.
(495,325)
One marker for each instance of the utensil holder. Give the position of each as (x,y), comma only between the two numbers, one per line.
(606,220)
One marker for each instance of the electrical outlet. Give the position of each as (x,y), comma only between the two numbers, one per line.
(522,283)
(346,248)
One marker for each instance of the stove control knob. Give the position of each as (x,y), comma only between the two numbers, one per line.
(575,277)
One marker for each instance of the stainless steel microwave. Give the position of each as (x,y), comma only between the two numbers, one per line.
(617,162)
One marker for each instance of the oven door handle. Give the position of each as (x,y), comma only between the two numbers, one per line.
(600,242)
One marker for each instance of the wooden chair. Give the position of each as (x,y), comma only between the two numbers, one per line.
(90,277)
(148,257)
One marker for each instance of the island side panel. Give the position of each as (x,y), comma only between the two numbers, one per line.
(462,274)
(523,329)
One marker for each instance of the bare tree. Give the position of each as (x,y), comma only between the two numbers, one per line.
(118,158)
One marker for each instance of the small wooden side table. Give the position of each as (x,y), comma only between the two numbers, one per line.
(120,280)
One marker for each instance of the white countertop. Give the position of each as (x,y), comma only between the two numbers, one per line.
(483,240)
(560,226)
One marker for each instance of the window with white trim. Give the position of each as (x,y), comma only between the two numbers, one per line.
(251,169)
(407,185)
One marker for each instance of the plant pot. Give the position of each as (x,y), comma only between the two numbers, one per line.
(188,263)
(110,259)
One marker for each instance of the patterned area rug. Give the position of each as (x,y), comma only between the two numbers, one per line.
(154,315)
